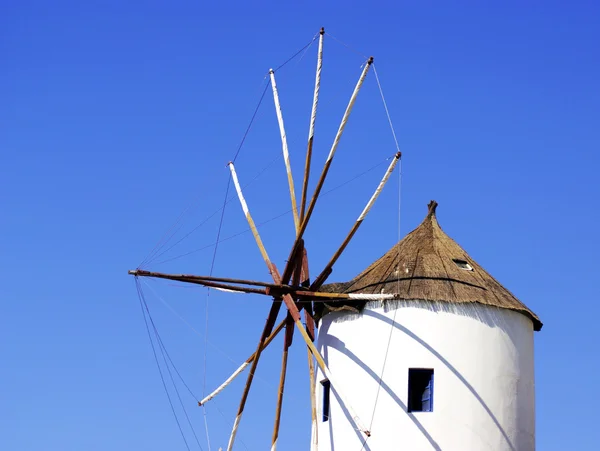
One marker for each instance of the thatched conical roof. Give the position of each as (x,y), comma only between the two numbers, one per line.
(429,265)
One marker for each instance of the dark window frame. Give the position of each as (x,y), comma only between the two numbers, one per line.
(420,390)
(462,264)
(326,399)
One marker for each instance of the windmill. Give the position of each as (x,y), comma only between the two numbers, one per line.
(456,321)
(292,287)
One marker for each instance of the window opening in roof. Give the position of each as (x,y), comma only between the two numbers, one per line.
(462,264)
(420,390)
(326,391)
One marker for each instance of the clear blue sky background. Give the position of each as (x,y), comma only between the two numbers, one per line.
(117,116)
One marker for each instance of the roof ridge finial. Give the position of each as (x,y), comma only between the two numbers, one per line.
(432,205)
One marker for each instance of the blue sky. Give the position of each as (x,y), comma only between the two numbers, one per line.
(117,117)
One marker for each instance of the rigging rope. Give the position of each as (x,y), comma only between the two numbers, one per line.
(163,240)
(398,256)
(297,53)
(205,220)
(356,177)
(163,352)
(387,112)
(142,302)
(165,355)
(228,357)
(212,265)
(160,298)
(352,49)
(154,253)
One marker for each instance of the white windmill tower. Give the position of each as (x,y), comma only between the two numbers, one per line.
(447,364)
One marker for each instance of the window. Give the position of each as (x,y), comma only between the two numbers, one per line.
(463,264)
(326,391)
(420,390)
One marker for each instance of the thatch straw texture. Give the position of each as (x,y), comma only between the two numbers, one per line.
(428,265)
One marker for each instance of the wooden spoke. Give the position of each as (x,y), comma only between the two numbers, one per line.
(253,228)
(199,280)
(289,332)
(300,273)
(313,119)
(314,436)
(286,154)
(202,279)
(310,328)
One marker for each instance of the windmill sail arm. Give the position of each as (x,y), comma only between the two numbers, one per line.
(207,281)
(311,130)
(257,238)
(289,331)
(200,279)
(221,387)
(286,153)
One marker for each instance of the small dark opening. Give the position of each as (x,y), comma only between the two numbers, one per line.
(462,264)
(326,391)
(420,390)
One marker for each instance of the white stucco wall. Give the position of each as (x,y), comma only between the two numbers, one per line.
(483,377)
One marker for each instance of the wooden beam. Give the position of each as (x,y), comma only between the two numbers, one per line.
(259,243)
(289,332)
(311,130)
(205,283)
(314,435)
(286,153)
(310,328)
(190,278)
